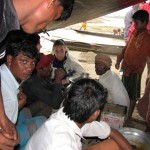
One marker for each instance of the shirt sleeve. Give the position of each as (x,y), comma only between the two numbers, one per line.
(96,129)
(50,94)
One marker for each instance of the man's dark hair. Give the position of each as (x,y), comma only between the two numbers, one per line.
(34,38)
(17,41)
(67,9)
(141,15)
(84,98)
(19,35)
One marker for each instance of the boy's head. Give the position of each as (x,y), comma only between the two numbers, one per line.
(85,99)
(21,57)
(141,19)
(59,49)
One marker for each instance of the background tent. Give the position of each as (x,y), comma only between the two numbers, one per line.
(90,9)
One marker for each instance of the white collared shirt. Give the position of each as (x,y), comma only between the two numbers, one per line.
(60,133)
(115,87)
(9,87)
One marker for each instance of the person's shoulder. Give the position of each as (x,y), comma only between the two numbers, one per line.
(147,33)
(58,129)
(115,74)
(31,83)
(70,56)
(5,73)
(71,59)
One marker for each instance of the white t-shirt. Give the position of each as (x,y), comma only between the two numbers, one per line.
(9,92)
(116,90)
(60,133)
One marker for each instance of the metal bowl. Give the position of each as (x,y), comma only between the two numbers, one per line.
(137,138)
(77,77)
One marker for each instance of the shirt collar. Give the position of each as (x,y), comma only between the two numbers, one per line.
(61,115)
(135,32)
(107,73)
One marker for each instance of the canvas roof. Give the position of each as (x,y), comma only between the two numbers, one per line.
(90,9)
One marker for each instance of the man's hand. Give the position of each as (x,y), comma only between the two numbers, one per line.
(6,143)
(128,72)
(8,128)
(59,75)
(117,66)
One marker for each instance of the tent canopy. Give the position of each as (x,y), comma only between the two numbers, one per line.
(89,9)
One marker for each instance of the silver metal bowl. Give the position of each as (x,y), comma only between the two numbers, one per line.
(137,138)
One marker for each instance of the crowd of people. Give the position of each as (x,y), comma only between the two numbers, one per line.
(32,84)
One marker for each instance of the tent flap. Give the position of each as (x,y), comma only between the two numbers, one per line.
(90,9)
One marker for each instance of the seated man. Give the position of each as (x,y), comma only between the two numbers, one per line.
(21,58)
(41,92)
(111,81)
(63,59)
(65,129)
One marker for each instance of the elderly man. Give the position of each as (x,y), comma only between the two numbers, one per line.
(43,93)
(111,81)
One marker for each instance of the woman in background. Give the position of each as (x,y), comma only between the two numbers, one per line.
(63,59)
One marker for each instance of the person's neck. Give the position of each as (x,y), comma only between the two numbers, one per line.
(80,125)
(24,8)
(104,72)
(140,31)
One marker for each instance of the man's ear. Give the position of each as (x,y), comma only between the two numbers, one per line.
(9,60)
(94,116)
(50,2)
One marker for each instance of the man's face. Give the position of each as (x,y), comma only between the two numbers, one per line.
(45,71)
(100,68)
(59,52)
(42,17)
(21,66)
(139,25)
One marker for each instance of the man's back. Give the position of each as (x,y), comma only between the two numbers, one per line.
(58,132)
(115,87)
